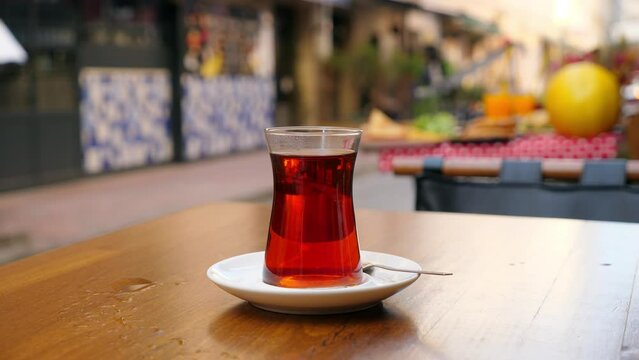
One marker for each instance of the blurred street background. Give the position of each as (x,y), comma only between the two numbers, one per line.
(114,112)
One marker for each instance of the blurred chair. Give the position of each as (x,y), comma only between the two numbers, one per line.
(576,189)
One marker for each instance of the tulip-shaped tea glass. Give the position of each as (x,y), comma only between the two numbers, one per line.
(312,240)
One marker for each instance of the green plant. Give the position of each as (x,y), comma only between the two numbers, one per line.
(403,64)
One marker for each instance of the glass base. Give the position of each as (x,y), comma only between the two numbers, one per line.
(312,281)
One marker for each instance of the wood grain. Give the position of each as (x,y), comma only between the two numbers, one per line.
(525,288)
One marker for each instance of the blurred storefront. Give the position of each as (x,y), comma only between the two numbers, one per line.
(39,124)
(119,84)
(125,61)
(218,69)
(227,83)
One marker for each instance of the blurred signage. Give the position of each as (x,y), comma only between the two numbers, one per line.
(228,40)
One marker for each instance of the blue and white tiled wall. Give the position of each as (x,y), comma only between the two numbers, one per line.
(125,118)
(225,114)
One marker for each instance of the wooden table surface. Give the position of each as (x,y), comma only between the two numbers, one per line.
(524,288)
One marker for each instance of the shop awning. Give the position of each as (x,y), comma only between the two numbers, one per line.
(339,3)
(10,49)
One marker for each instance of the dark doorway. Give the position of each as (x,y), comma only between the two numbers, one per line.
(285,17)
(39,128)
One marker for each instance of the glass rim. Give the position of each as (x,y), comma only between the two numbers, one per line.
(313,131)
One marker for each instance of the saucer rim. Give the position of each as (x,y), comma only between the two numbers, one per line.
(212,274)
(312,301)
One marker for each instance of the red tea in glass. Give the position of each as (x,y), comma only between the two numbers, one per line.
(312,240)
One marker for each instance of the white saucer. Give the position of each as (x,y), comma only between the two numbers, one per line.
(242,276)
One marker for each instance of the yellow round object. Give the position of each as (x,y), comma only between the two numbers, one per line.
(583,99)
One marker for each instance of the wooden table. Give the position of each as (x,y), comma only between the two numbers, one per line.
(524,288)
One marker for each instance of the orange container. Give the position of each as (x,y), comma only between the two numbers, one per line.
(523,104)
(500,105)
(497,105)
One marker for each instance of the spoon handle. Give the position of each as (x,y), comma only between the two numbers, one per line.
(438,273)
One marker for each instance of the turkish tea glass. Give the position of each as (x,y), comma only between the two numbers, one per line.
(312,238)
